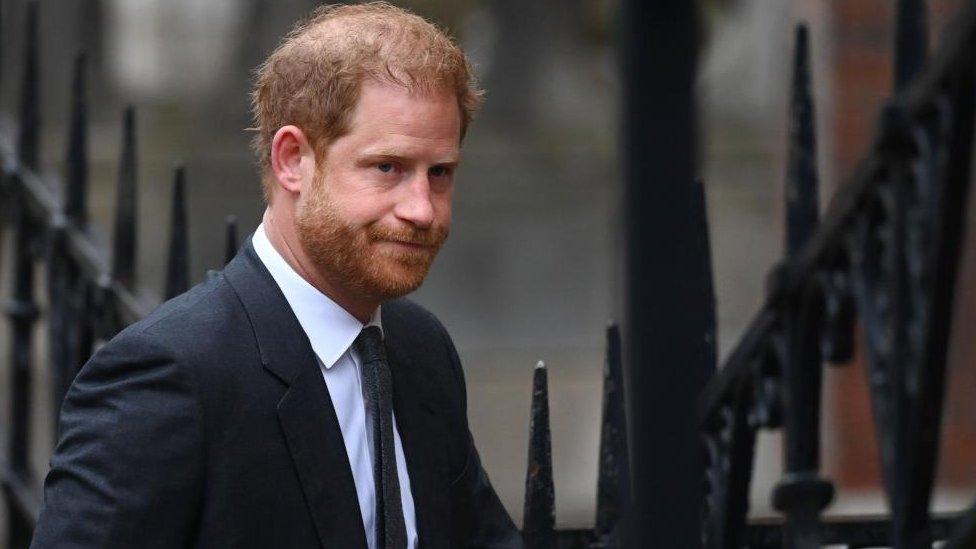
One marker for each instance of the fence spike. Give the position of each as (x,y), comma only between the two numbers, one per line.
(30,119)
(709,359)
(802,202)
(76,207)
(613,482)
(177,268)
(66,322)
(23,313)
(231,243)
(539,513)
(3,16)
(22,310)
(911,40)
(124,257)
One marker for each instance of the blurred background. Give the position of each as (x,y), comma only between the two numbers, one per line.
(533,268)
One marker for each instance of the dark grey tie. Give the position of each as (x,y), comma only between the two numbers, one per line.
(390,530)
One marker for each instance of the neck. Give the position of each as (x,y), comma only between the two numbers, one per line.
(285,241)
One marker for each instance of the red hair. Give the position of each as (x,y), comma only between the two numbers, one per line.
(313,79)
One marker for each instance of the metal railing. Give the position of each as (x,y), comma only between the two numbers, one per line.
(885,256)
(90,299)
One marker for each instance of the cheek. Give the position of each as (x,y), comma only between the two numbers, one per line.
(357,207)
(368,209)
(442,208)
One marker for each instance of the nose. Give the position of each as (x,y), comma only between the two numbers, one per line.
(416,206)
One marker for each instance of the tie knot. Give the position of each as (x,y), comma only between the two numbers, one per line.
(369,344)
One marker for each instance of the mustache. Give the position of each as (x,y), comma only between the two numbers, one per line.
(432,237)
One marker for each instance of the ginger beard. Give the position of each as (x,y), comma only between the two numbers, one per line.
(359,258)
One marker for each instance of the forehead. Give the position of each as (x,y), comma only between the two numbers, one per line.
(390,112)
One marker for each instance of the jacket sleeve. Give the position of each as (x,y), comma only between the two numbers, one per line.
(490,526)
(127,468)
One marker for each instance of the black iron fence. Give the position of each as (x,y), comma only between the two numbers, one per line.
(90,299)
(885,256)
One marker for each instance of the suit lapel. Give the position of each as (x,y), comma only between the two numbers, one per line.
(305,412)
(314,439)
(418,427)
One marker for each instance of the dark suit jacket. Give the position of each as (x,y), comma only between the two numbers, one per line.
(208,424)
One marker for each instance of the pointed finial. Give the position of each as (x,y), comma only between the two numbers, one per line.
(539,512)
(231,246)
(802,201)
(76,180)
(30,99)
(178,265)
(706,282)
(911,40)
(613,481)
(2,18)
(124,257)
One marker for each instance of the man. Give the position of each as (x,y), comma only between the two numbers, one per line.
(292,400)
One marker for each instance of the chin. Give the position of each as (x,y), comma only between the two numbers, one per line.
(397,281)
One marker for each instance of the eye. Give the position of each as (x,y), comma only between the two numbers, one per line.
(385,167)
(439,171)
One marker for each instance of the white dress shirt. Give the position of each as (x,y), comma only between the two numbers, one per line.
(332,330)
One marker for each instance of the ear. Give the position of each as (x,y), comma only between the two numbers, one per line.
(292,159)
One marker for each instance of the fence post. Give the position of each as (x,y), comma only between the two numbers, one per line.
(3,10)
(126,207)
(701,246)
(30,102)
(802,187)
(539,517)
(76,191)
(948,245)
(801,494)
(23,310)
(177,267)
(81,336)
(230,241)
(666,318)
(729,438)
(65,322)
(613,481)
(911,40)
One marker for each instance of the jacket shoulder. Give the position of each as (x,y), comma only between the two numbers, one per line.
(205,317)
(410,313)
(407,324)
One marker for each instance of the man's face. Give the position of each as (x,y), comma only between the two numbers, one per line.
(380,206)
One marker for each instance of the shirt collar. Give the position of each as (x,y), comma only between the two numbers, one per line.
(329,327)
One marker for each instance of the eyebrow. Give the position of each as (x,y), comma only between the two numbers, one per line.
(400,154)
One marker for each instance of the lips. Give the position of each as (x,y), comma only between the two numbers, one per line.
(428,240)
(409,244)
